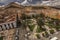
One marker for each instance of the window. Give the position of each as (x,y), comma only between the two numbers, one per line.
(5,26)
(9,26)
(12,24)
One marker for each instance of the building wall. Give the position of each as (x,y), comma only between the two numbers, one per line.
(7,34)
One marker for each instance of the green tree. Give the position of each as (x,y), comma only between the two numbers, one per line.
(24,16)
(51,31)
(42,15)
(38,36)
(40,22)
(46,34)
(1,38)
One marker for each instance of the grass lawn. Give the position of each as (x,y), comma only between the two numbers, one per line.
(31,27)
(39,30)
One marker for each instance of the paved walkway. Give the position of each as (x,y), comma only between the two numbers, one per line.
(34,31)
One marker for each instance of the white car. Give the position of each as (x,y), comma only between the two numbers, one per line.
(54,38)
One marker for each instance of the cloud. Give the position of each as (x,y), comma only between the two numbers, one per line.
(6,1)
(3,1)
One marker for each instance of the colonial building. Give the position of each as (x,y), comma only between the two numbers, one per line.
(9,22)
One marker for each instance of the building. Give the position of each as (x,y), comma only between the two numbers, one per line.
(8,18)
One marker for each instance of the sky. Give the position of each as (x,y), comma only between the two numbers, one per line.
(8,1)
